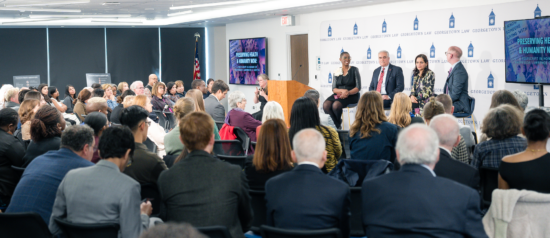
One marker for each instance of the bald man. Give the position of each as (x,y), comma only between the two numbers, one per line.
(97,104)
(456,85)
(152,80)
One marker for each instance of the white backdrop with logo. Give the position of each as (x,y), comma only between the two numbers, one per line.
(478,31)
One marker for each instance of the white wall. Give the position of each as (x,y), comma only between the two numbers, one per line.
(278,36)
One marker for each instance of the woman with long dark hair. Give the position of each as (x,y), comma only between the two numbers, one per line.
(51,92)
(304,114)
(423,80)
(70,96)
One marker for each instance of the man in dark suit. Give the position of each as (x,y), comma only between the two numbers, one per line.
(212,103)
(201,189)
(447,130)
(413,202)
(305,198)
(387,79)
(457,81)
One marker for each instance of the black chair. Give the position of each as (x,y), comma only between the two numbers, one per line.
(150,190)
(219,124)
(253,144)
(151,146)
(76,230)
(215,231)
(260,210)
(23,225)
(344,141)
(356,218)
(466,115)
(168,122)
(236,160)
(243,138)
(229,147)
(475,136)
(272,232)
(169,160)
(18,169)
(489,182)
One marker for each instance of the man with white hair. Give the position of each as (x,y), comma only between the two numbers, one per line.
(387,79)
(305,198)
(447,130)
(414,201)
(137,87)
(152,80)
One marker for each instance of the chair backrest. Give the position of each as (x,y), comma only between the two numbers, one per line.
(489,182)
(76,230)
(22,225)
(472,104)
(243,137)
(272,232)
(260,210)
(151,146)
(169,160)
(228,147)
(253,144)
(236,160)
(219,124)
(344,141)
(475,136)
(18,169)
(356,212)
(215,231)
(150,190)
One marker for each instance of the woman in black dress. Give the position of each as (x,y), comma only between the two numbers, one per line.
(529,169)
(260,95)
(346,84)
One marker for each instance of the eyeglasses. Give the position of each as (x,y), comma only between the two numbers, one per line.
(140,88)
(446,53)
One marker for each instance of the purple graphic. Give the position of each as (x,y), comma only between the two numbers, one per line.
(247,60)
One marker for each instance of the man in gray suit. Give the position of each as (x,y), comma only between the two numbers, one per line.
(102,193)
(201,189)
(456,85)
(212,103)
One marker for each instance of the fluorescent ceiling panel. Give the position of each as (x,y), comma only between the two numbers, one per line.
(22,9)
(179,13)
(213,4)
(79,16)
(46,3)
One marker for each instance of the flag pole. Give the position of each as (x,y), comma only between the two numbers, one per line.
(197,36)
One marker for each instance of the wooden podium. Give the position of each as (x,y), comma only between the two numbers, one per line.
(285,93)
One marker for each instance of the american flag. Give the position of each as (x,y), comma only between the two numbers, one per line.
(197,68)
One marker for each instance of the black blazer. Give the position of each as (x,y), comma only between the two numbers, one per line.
(257,179)
(457,88)
(413,203)
(395,81)
(307,199)
(447,167)
(11,153)
(205,191)
(36,149)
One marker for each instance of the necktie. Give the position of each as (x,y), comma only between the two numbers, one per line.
(450,70)
(379,87)
(447,90)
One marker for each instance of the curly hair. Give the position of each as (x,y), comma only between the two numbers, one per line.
(370,113)
(44,123)
(400,109)
(432,109)
(504,97)
(502,122)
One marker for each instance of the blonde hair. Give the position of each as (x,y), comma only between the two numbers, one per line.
(11,93)
(197,96)
(128,101)
(400,109)
(105,86)
(141,100)
(121,86)
(183,107)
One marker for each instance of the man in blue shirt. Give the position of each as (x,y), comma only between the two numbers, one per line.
(37,188)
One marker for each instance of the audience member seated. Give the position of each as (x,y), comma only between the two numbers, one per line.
(155,132)
(434,108)
(201,189)
(238,117)
(172,142)
(180,89)
(414,202)
(305,198)
(137,87)
(98,92)
(35,95)
(38,186)
(400,109)
(95,86)
(371,136)
(70,96)
(465,131)
(122,87)
(196,95)
(109,96)
(27,110)
(502,125)
(11,154)
(52,96)
(101,193)
(46,128)
(11,99)
(326,120)
(3,91)
(447,130)
(153,79)
(146,166)
(158,100)
(304,114)
(272,110)
(212,103)
(528,169)
(201,86)
(80,103)
(21,95)
(97,121)
(171,92)
(503,97)
(522,98)
(272,155)
(115,115)
(97,104)
(173,230)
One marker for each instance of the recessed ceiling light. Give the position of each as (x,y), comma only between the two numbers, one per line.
(214,4)
(48,3)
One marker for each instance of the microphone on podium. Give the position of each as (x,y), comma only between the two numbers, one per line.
(296,72)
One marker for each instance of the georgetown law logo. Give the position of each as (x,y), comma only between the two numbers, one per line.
(329,78)
(368,53)
(492,18)
(342,51)
(432,51)
(416,23)
(384,26)
(538,12)
(490,81)
(329,31)
(452,21)
(470,50)
(355,29)
(399,52)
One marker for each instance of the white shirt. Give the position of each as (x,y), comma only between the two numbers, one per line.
(428,168)
(383,89)
(310,163)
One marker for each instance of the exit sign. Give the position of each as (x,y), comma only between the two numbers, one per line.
(287,21)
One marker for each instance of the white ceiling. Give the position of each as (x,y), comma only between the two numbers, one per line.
(18,13)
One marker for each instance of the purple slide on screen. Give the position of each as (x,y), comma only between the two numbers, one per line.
(247,60)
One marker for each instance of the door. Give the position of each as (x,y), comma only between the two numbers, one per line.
(299,57)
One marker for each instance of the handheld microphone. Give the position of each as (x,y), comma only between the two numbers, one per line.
(297,72)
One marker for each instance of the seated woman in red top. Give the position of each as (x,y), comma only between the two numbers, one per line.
(237,117)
